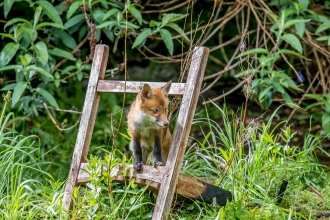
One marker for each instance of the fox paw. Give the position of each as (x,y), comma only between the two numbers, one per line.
(158,163)
(138,165)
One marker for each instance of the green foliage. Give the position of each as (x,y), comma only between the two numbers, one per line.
(25,187)
(156,27)
(37,45)
(273,79)
(324,102)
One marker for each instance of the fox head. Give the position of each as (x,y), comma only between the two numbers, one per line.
(154,103)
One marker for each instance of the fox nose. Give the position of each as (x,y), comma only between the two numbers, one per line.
(165,124)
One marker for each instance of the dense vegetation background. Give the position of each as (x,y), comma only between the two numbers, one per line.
(263,54)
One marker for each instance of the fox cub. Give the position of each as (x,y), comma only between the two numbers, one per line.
(148,125)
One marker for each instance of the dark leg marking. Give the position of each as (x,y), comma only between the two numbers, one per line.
(157,153)
(137,151)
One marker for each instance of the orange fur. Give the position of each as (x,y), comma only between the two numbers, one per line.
(148,124)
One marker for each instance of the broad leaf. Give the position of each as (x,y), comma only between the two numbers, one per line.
(136,13)
(153,23)
(304,4)
(279,87)
(322,27)
(18,91)
(25,59)
(43,24)
(7,6)
(287,99)
(50,11)
(72,9)
(39,70)
(289,23)
(74,20)
(285,51)
(61,53)
(110,13)
(323,38)
(11,67)
(47,96)
(142,36)
(313,96)
(66,38)
(166,35)
(167,18)
(300,28)
(293,41)
(8,87)
(106,24)
(11,36)
(36,18)
(264,92)
(16,20)
(178,29)
(41,51)
(129,25)
(7,53)
(326,122)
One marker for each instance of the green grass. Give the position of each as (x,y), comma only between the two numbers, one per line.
(250,160)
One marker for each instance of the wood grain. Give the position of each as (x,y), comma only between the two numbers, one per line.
(150,176)
(87,121)
(134,87)
(183,126)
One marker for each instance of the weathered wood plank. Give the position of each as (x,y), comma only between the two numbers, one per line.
(87,121)
(186,187)
(134,87)
(183,126)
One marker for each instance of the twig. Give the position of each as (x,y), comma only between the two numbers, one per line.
(312,188)
(222,166)
(54,121)
(225,94)
(63,110)
(163,4)
(228,65)
(161,56)
(166,10)
(319,65)
(232,13)
(215,17)
(225,70)
(237,37)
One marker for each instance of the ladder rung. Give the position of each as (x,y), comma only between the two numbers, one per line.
(134,87)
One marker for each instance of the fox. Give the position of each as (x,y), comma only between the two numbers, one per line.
(148,125)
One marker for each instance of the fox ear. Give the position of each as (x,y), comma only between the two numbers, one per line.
(166,88)
(146,91)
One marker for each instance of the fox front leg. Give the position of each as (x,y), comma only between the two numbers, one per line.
(137,153)
(157,153)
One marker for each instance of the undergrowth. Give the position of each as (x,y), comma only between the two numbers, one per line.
(269,177)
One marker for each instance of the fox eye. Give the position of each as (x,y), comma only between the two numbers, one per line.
(155,111)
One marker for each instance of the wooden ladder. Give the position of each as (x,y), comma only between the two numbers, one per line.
(167,176)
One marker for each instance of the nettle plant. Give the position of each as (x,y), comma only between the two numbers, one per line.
(43,51)
(270,78)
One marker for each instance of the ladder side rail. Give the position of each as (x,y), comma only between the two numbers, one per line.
(183,126)
(87,121)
